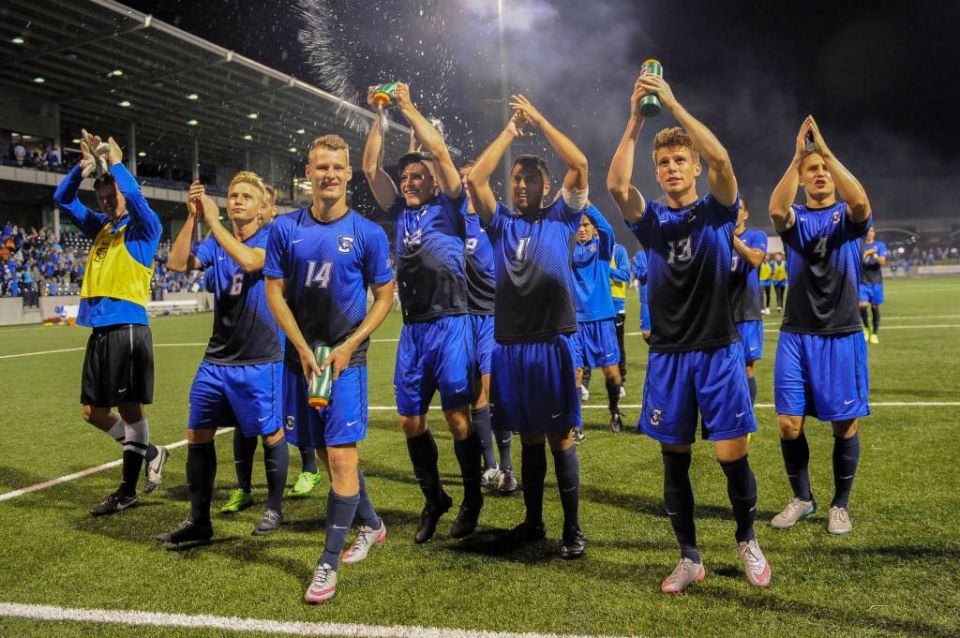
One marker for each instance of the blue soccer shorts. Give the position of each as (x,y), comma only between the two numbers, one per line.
(245,396)
(821,376)
(751,338)
(431,356)
(533,387)
(683,388)
(871,293)
(595,344)
(483,339)
(342,421)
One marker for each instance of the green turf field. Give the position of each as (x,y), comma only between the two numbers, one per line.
(897,574)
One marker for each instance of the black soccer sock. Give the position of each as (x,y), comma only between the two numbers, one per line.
(678,501)
(533,471)
(613,396)
(566,465)
(796,460)
(276,462)
(366,513)
(151,453)
(505,446)
(876,317)
(863,317)
(340,513)
(780,290)
(585,378)
(752,384)
(846,457)
(201,474)
(469,456)
(424,454)
(308,460)
(132,466)
(244,449)
(742,490)
(766,294)
(481,423)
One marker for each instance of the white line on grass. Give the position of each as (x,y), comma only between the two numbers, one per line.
(156,345)
(233,624)
(930,326)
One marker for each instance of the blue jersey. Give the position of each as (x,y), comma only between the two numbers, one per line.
(619,278)
(326,268)
(689,253)
(591,270)
(430,263)
(745,279)
(142,231)
(871,270)
(823,265)
(638,270)
(481,276)
(244,331)
(531,254)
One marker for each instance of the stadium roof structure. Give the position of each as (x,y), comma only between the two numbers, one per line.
(108,66)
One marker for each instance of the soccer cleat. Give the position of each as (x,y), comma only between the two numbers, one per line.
(793,512)
(838,521)
(584,394)
(527,532)
(114,503)
(271,522)
(573,544)
(323,586)
(754,563)
(623,391)
(578,436)
(239,501)
(686,573)
(466,521)
(489,476)
(153,471)
(616,423)
(428,519)
(874,339)
(507,483)
(188,532)
(367,537)
(780,309)
(306,482)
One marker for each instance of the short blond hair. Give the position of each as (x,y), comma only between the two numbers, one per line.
(331,143)
(271,193)
(248,177)
(674,137)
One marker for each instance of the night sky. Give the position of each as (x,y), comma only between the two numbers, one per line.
(879,77)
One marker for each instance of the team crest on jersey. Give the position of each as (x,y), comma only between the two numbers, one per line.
(290,422)
(412,239)
(344,244)
(593,248)
(656,417)
(836,217)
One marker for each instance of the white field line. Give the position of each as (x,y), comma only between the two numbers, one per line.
(885,327)
(156,345)
(6,496)
(233,624)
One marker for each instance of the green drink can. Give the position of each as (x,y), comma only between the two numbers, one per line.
(321,384)
(650,104)
(383,95)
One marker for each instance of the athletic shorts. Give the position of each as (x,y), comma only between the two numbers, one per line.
(118,366)
(751,337)
(821,376)
(595,344)
(533,387)
(483,338)
(766,283)
(342,421)
(645,324)
(779,283)
(431,356)
(871,293)
(683,388)
(245,396)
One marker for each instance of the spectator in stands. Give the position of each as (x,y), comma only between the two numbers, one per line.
(19,154)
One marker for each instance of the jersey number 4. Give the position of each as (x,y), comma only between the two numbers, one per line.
(820,249)
(318,275)
(681,251)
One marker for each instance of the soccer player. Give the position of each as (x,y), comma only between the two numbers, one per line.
(596,339)
(694,361)
(619,279)
(533,382)
(778,275)
(118,364)
(766,283)
(874,257)
(750,248)
(481,282)
(239,378)
(638,270)
(821,364)
(436,348)
(320,262)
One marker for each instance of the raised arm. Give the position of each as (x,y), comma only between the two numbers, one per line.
(288,323)
(249,259)
(141,214)
(850,189)
(478,180)
(785,192)
(66,198)
(626,195)
(576,179)
(447,175)
(381,185)
(753,256)
(605,231)
(720,177)
(181,259)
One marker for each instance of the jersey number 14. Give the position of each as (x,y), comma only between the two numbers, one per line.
(318,275)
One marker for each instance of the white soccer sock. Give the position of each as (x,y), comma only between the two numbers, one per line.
(137,437)
(117,431)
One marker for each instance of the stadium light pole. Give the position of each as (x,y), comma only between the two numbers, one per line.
(504,101)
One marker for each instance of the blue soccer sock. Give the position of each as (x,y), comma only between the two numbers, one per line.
(424,455)
(533,471)
(469,457)
(742,490)
(201,474)
(678,501)
(243,450)
(505,447)
(846,457)
(796,460)
(276,462)
(481,423)
(752,384)
(308,459)
(366,513)
(340,513)
(566,465)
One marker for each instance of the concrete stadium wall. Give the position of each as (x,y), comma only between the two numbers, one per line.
(13,313)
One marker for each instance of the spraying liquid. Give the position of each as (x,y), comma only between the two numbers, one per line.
(382,120)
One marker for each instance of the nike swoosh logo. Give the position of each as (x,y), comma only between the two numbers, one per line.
(339,527)
(219,258)
(349,423)
(740,414)
(263,418)
(558,414)
(461,389)
(122,390)
(849,402)
(296,241)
